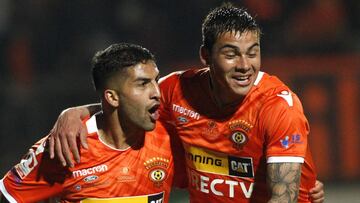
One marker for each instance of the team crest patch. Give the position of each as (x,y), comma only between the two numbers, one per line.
(239,129)
(239,139)
(157,167)
(242,124)
(157,175)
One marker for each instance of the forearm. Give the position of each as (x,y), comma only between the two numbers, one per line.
(93,108)
(283,179)
(86,110)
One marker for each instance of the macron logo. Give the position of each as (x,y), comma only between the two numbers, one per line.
(287,96)
(89,171)
(186,112)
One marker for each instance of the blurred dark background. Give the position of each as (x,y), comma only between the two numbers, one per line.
(312,45)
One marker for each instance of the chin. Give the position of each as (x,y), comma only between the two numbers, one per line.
(149,127)
(241,92)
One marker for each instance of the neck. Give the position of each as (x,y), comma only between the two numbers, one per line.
(114,134)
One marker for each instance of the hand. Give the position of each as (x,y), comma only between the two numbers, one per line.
(317,193)
(63,136)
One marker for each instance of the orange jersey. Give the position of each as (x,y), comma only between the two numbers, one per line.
(226,150)
(105,174)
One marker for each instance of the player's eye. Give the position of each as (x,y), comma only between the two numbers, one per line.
(142,83)
(252,55)
(230,54)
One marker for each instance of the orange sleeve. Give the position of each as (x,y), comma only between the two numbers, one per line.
(167,85)
(35,178)
(286,128)
(178,152)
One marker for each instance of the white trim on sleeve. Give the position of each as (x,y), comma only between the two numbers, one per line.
(285,159)
(5,192)
(258,78)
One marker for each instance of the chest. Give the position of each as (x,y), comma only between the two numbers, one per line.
(128,174)
(239,134)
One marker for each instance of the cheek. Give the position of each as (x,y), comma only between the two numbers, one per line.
(224,66)
(222,70)
(132,103)
(134,110)
(256,63)
(137,103)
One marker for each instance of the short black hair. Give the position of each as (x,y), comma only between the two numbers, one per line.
(115,58)
(226,18)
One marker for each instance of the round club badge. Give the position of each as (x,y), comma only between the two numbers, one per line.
(239,139)
(157,175)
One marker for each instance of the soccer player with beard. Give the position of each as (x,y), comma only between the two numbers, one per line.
(129,157)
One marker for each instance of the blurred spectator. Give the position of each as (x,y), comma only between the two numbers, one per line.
(318,26)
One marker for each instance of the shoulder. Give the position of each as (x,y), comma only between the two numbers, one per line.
(282,111)
(283,98)
(170,77)
(37,163)
(169,83)
(275,92)
(281,103)
(269,85)
(178,75)
(277,99)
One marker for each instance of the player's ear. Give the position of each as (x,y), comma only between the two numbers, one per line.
(204,55)
(111,97)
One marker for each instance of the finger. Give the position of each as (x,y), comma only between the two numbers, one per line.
(51,146)
(317,195)
(59,152)
(314,190)
(73,147)
(321,200)
(66,151)
(83,135)
(319,186)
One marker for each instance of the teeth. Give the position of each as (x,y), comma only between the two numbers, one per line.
(155,115)
(242,78)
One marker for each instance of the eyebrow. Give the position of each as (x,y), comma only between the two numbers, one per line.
(147,79)
(254,45)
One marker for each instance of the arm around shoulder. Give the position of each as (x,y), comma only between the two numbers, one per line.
(68,127)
